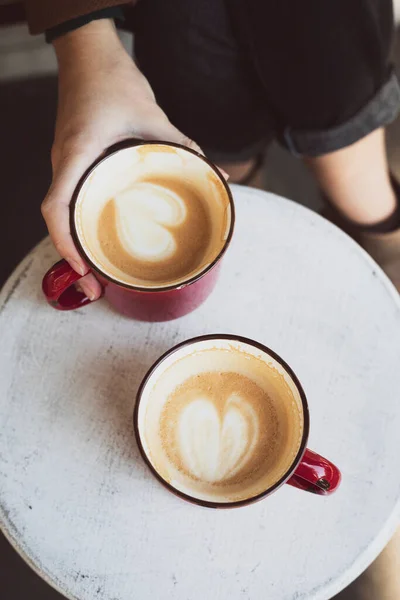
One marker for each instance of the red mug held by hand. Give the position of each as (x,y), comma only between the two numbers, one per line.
(152,220)
(222,421)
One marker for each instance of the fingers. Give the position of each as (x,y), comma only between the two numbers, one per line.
(169,133)
(55,208)
(90,287)
(177,136)
(56,215)
(68,169)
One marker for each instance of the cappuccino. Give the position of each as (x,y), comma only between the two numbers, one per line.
(220,421)
(153,216)
(219,428)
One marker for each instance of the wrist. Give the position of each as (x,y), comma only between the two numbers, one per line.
(90,43)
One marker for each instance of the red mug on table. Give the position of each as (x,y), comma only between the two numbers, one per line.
(152,220)
(223,421)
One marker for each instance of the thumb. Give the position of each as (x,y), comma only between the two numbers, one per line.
(170,133)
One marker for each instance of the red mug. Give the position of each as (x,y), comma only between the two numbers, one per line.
(294,463)
(138,301)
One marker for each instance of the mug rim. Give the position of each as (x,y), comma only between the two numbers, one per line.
(266,350)
(132,143)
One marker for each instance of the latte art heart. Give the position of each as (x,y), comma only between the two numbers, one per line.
(219,429)
(153,231)
(146,215)
(214,446)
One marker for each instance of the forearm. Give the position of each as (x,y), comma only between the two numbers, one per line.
(91,56)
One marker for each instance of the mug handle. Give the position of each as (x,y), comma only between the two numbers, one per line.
(315,474)
(58,287)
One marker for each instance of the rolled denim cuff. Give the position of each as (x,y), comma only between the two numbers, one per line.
(380,110)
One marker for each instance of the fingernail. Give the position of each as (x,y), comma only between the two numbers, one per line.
(77,267)
(88,293)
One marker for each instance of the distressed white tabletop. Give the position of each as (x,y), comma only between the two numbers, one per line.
(79,505)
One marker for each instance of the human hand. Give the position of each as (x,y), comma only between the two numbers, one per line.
(103,99)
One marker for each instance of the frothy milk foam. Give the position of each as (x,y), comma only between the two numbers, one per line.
(152,215)
(221,421)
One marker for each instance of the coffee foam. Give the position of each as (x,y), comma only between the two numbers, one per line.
(221,421)
(152,215)
(145,212)
(219,428)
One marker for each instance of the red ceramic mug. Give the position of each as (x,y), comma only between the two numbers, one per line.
(208,444)
(116,170)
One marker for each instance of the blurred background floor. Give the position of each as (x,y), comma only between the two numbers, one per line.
(28,92)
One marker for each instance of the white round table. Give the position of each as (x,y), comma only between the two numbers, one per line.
(76,500)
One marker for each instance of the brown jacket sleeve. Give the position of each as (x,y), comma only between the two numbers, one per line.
(43,14)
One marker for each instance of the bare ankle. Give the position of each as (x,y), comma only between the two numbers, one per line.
(356,180)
